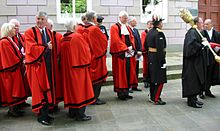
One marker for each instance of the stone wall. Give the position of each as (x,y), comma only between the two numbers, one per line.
(24,11)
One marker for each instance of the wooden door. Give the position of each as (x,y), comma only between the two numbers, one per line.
(210,9)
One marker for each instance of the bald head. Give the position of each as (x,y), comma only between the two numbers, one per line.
(208,24)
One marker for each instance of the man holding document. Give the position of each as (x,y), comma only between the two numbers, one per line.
(122,49)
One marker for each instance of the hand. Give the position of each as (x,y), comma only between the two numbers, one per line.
(205,43)
(204,39)
(164,66)
(139,53)
(50,46)
(130,48)
(217,49)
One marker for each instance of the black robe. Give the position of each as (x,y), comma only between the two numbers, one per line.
(194,64)
(156,39)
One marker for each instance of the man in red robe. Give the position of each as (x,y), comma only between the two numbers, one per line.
(76,81)
(41,61)
(144,52)
(98,46)
(123,61)
(57,41)
(12,90)
(19,39)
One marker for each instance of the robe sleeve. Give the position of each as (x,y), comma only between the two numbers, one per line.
(143,37)
(98,42)
(9,60)
(191,44)
(34,51)
(116,43)
(80,51)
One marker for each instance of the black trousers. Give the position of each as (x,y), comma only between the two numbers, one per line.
(97,90)
(77,112)
(155,91)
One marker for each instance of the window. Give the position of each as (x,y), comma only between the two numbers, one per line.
(150,7)
(72,9)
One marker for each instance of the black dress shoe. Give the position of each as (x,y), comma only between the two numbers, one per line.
(85,118)
(194,105)
(50,118)
(210,95)
(98,102)
(129,97)
(160,102)
(136,89)
(201,96)
(44,121)
(16,113)
(199,102)
(122,98)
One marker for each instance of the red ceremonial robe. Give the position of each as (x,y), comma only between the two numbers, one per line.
(22,40)
(58,89)
(36,69)
(22,44)
(13,90)
(98,46)
(75,61)
(144,53)
(117,48)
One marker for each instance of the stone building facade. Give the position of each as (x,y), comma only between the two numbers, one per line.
(25,10)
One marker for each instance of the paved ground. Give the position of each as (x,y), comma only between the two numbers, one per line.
(132,115)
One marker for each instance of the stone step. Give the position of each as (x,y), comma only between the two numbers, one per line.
(171,75)
(169,68)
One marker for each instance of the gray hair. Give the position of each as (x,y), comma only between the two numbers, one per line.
(70,24)
(41,13)
(90,15)
(14,21)
(6,28)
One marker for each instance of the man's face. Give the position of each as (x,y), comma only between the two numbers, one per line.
(207,25)
(200,24)
(133,23)
(17,26)
(41,21)
(160,26)
(123,19)
(49,26)
(149,25)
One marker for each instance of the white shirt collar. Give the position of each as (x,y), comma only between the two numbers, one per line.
(210,32)
(124,29)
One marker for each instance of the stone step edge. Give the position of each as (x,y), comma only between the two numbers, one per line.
(170,76)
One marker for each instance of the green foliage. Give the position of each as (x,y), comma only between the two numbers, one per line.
(66,7)
(81,6)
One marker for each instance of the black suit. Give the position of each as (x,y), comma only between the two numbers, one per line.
(138,45)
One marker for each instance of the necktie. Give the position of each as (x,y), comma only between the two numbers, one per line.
(44,39)
(19,42)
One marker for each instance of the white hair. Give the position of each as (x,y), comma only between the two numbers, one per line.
(6,29)
(131,18)
(123,13)
(14,21)
(50,21)
(70,24)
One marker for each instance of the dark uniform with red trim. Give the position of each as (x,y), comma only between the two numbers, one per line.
(156,44)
